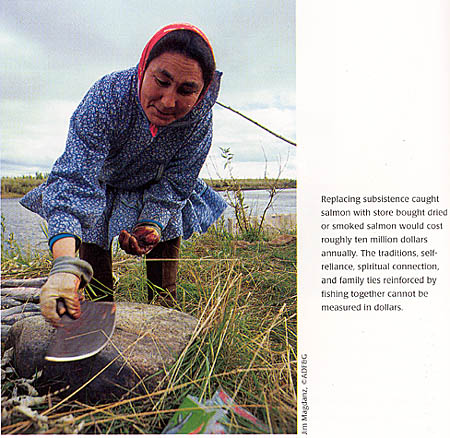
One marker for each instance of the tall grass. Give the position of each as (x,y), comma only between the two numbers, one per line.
(245,341)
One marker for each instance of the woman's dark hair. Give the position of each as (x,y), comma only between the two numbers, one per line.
(190,44)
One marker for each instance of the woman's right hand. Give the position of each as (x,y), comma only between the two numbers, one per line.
(67,275)
(65,286)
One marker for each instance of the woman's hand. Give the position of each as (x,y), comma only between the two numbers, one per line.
(65,286)
(66,276)
(142,239)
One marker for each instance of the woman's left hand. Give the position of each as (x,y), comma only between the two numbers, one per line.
(141,241)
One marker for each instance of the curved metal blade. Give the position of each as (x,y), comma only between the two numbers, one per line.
(83,337)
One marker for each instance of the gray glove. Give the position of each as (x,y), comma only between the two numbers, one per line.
(73,265)
(66,276)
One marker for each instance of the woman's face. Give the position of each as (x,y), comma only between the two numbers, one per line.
(170,88)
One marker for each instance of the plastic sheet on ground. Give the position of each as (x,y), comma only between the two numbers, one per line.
(212,417)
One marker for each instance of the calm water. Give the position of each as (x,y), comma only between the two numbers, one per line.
(26,225)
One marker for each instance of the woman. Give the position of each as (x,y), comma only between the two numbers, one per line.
(135,147)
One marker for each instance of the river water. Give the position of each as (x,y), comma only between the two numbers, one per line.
(27,226)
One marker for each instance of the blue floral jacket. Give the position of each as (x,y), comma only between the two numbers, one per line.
(114,173)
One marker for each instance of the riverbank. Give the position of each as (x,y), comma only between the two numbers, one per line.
(11,196)
(27,227)
(244,295)
(16,187)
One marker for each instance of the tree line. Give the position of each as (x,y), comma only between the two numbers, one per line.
(16,186)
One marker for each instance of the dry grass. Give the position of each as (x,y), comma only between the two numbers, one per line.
(245,342)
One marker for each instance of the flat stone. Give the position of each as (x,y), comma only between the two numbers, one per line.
(147,340)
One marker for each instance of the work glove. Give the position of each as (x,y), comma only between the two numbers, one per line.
(67,275)
(143,238)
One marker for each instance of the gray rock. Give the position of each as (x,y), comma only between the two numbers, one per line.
(5,331)
(147,341)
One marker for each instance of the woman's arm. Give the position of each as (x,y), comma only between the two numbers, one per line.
(73,199)
(64,280)
(64,247)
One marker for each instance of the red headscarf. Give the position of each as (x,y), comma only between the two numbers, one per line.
(148,48)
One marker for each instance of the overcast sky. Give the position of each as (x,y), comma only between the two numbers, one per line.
(53,51)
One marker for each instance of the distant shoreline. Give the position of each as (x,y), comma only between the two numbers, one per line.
(11,196)
(17,187)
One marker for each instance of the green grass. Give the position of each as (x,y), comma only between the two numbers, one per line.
(246,342)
